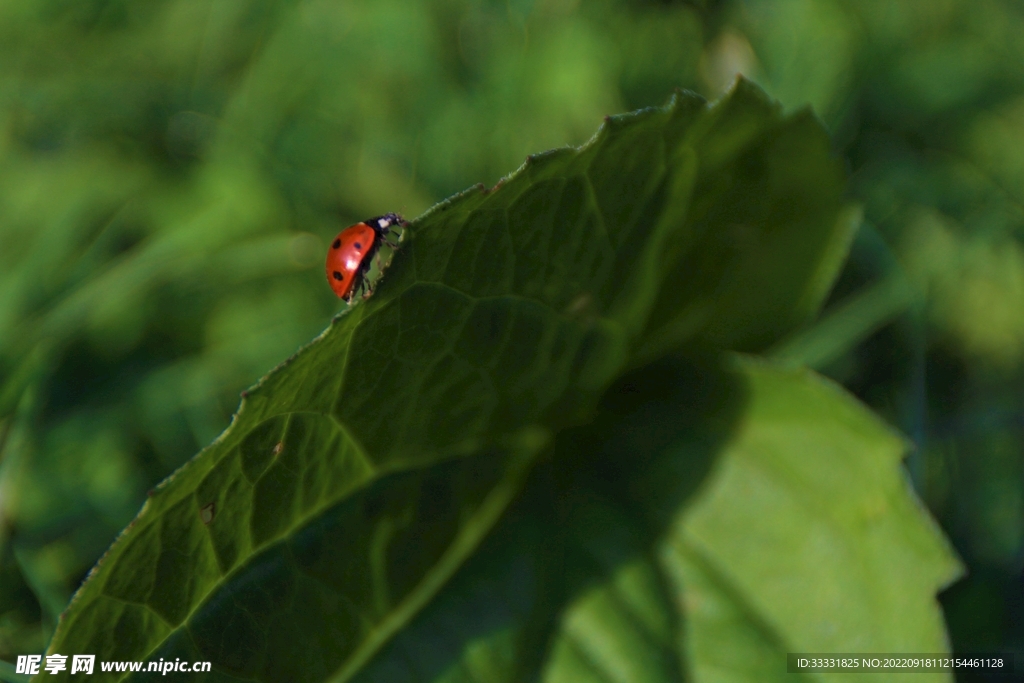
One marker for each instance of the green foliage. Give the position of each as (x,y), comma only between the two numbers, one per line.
(925,99)
(528,440)
(172,170)
(170,177)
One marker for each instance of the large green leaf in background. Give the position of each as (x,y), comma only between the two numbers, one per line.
(803,537)
(334,531)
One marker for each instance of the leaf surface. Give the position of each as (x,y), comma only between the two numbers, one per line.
(359,478)
(665,562)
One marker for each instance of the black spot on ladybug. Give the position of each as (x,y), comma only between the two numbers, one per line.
(206,513)
(357,245)
(337,243)
(337,275)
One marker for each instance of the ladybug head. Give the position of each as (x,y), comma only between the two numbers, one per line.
(384,223)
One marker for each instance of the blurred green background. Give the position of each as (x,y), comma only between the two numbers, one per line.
(171,171)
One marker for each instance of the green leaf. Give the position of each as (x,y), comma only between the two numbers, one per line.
(705,525)
(850,323)
(804,536)
(568,587)
(810,535)
(359,478)
(8,673)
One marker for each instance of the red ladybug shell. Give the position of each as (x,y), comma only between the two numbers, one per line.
(346,255)
(348,259)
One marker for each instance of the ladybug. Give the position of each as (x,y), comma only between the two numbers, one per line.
(352,252)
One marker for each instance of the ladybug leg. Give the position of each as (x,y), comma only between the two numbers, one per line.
(367,289)
(357,289)
(364,281)
(391,245)
(390,231)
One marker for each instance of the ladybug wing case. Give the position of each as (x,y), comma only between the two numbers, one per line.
(348,252)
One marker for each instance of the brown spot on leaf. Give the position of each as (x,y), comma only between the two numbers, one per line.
(278,448)
(206,512)
(581,304)
(497,186)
